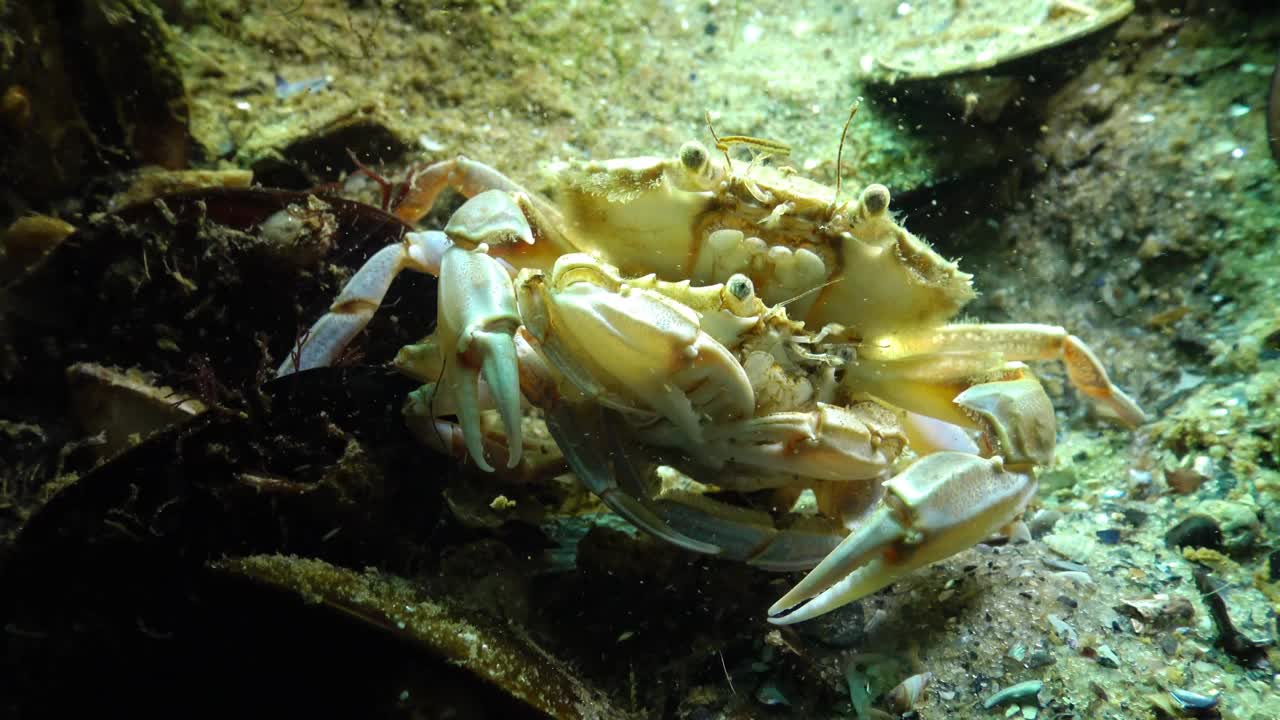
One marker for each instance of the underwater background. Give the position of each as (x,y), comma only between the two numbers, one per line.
(182,533)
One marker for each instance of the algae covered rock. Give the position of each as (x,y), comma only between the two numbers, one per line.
(87,86)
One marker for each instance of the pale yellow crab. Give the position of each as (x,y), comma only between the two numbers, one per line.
(733,324)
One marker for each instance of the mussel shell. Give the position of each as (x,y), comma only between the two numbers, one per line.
(487,650)
(189,275)
(107,596)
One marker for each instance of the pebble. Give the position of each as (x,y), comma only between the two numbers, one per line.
(1107,657)
(1064,631)
(1040,658)
(1014,693)
(769,695)
(1195,531)
(1238,522)
(1134,517)
(1043,522)
(1110,536)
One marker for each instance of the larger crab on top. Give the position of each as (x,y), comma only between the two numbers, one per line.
(727,322)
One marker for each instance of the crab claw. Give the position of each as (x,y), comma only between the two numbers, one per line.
(942,504)
(476,324)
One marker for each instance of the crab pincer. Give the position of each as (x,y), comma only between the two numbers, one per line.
(942,504)
(478,319)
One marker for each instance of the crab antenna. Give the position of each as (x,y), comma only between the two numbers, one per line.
(840,151)
(810,291)
(728,164)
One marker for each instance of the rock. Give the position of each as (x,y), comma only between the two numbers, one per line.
(1238,522)
(303,149)
(95,86)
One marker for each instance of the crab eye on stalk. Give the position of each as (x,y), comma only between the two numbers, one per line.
(739,292)
(696,172)
(693,155)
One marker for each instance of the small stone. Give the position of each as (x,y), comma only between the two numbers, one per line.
(1238,522)
(1107,657)
(1134,517)
(1064,631)
(1110,536)
(1195,531)
(769,695)
(1039,659)
(1042,523)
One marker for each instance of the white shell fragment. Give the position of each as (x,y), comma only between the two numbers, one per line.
(125,406)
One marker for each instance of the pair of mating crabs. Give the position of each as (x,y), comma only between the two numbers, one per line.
(678,319)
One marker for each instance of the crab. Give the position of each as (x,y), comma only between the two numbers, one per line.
(691,325)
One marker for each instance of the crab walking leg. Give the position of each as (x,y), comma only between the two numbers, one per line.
(1021,341)
(830,442)
(604,461)
(839,449)
(942,504)
(323,344)
(467,177)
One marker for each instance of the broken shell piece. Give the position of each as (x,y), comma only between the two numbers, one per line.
(151,183)
(1192,700)
(124,405)
(1160,610)
(981,36)
(1014,693)
(30,237)
(1184,481)
(909,692)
